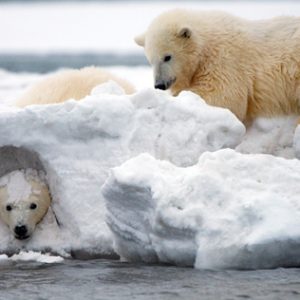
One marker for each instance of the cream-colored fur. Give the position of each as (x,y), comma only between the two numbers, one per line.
(250,67)
(69,84)
(24,209)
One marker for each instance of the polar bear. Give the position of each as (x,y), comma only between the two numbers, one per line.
(249,67)
(69,84)
(24,201)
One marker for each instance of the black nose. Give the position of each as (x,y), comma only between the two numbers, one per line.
(160,86)
(21,230)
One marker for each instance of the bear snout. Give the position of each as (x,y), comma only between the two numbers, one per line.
(164,84)
(21,232)
(160,85)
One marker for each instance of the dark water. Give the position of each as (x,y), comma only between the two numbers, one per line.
(102,279)
(45,63)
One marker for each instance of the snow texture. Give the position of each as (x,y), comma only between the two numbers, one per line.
(77,143)
(229,210)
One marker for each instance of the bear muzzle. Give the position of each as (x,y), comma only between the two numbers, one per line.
(21,232)
(164,84)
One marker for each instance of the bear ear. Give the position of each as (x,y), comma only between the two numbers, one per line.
(140,40)
(185,33)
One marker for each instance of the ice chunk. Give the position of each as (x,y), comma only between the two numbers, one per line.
(230,210)
(36,256)
(78,142)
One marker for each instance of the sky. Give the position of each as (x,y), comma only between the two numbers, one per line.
(106,27)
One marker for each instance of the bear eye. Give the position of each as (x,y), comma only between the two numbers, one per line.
(8,207)
(167,58)
(33,206)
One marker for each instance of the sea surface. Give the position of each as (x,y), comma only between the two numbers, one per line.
(44,63)
(107,279)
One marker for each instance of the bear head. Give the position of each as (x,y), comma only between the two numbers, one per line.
(172,49)
(24,201)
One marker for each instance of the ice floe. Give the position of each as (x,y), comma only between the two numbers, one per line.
(77,143)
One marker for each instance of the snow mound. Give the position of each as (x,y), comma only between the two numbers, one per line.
(76,144)
(230,210)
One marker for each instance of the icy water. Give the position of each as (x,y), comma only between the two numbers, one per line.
(49,62)
(103,279)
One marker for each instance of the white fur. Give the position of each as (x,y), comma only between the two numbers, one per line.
(18,191)
(69,84)
(249,67)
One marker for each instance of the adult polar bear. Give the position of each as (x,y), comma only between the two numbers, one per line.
(249,67)
(69,84)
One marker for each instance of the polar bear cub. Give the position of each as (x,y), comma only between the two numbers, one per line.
(69,84)
(24,201)
(249,67)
